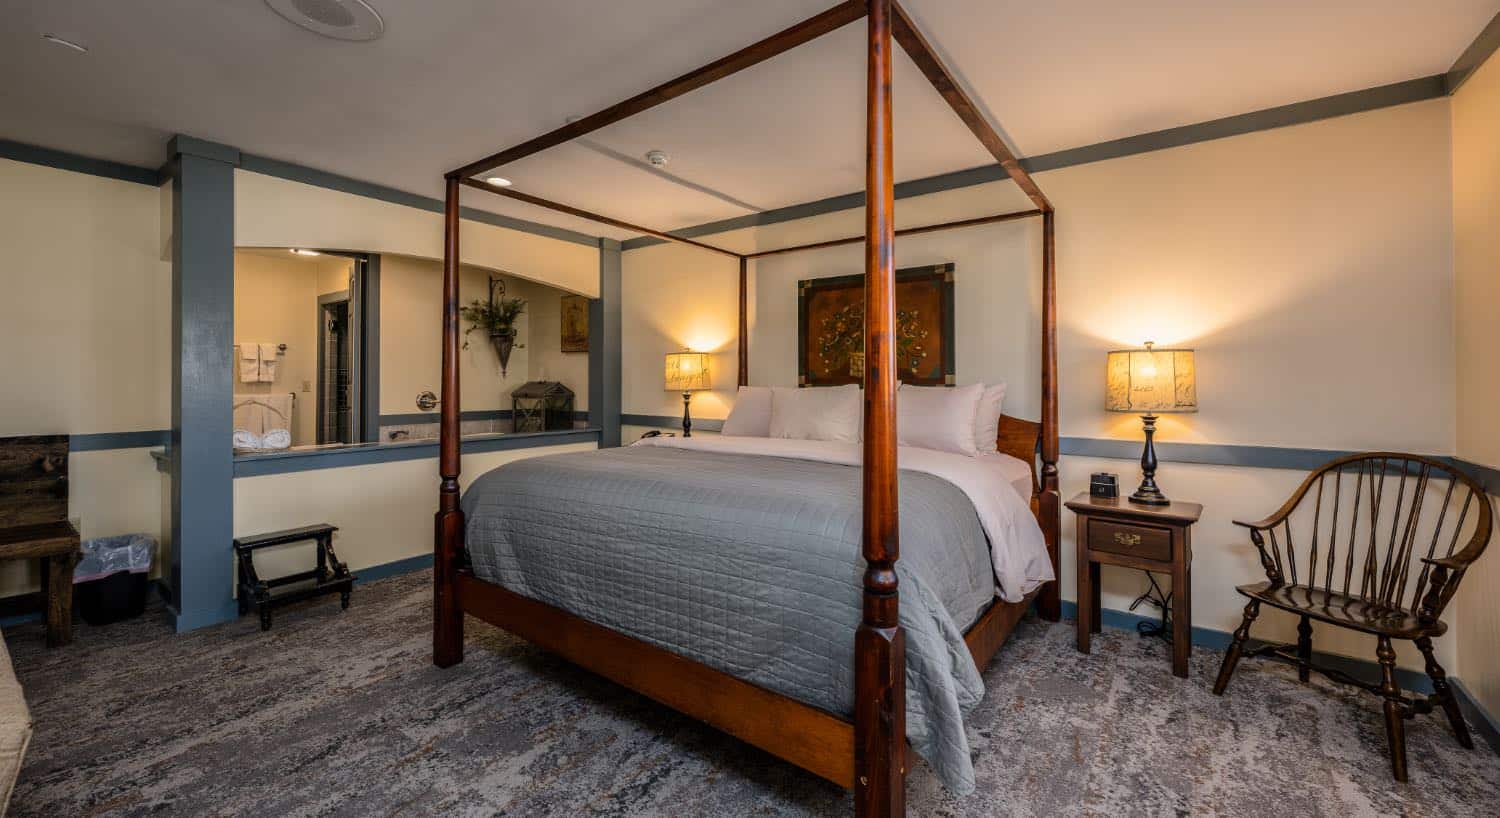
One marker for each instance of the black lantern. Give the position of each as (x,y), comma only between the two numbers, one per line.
(541,406)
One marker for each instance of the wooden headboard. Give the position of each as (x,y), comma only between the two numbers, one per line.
(33,480)
(1021,439)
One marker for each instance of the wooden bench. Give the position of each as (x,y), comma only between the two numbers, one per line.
(329,576)
(34,522)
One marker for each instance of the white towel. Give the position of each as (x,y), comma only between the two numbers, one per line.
(276,439)
(269,362)
(246,439)
(249,363)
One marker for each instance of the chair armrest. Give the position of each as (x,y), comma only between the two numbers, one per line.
(1261,524)
(1450,563)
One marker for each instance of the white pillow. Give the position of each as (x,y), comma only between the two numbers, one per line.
(938,417)
(818,413)
(751,414)
(987,419)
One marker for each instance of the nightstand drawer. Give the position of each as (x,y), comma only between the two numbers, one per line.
(1141,541)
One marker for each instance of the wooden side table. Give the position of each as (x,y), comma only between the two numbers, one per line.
(1151,538)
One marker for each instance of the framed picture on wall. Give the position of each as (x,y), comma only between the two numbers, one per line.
(575,323)
(831,321)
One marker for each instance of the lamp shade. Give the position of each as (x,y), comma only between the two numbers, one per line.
(687,372)
(1151,381)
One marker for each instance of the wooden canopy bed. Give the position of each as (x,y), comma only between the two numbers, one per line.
(867,754)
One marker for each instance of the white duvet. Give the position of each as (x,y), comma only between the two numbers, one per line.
(1017,548)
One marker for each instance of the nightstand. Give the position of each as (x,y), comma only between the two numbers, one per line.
(1151,538)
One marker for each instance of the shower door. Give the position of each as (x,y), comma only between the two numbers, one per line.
(339,336)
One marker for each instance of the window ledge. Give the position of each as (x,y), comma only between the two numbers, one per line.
(255,464)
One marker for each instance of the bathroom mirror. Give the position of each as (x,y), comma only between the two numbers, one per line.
(493,363)
(298,333)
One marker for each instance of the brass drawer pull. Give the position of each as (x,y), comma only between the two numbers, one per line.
(1127,539)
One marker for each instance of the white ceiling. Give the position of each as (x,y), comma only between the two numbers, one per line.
(455,80)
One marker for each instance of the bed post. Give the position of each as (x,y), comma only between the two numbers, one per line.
(744,322)
(447,616)
(1049,601)
(879,645)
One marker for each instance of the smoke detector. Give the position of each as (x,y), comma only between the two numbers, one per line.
(658,159)
(338,19)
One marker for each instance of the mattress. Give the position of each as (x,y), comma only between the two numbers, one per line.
(748,560)
(1013,470)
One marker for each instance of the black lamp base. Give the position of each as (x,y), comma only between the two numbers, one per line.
(1148,493)
(687,419)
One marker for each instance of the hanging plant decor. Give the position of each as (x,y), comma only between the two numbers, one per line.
(497,317)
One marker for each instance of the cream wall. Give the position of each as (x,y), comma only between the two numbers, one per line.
(334,273)
(274,212)
(676,297)
(86,322)
(384,511)
(276,301)
(1301,289)
(1476,241)
(87,306)
(1303,264)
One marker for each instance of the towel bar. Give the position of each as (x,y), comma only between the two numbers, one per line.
(280,348)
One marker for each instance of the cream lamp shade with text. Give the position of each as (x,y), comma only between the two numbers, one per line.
(687,372)
(1148,382)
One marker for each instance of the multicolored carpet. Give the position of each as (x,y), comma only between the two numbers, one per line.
(343,714)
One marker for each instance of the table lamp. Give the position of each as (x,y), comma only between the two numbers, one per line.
(687,372)
(1148,381)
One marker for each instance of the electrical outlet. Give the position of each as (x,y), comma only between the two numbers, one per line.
(307,386)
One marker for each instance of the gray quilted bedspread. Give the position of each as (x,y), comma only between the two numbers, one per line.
(748,564)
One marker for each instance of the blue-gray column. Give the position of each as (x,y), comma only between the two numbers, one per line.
(369,370)
(202,455)
(604,346)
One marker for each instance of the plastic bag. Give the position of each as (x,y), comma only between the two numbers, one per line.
(103,556)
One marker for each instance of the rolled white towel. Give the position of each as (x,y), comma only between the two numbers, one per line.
(276,439)
(246,439)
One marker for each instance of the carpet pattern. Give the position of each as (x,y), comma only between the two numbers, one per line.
(343,714)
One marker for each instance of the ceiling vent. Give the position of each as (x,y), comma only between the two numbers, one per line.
(338,19)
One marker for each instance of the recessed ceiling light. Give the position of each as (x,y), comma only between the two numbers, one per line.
(338,19)
(498,181)
(301,252)
(53,38)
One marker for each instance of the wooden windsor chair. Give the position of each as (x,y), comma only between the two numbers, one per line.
(1381,550)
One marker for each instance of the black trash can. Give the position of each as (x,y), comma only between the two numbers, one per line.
(110,582)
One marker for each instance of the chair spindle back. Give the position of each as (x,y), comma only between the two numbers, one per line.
(1394,530)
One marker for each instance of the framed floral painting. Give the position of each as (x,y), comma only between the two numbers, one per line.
(831,329)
